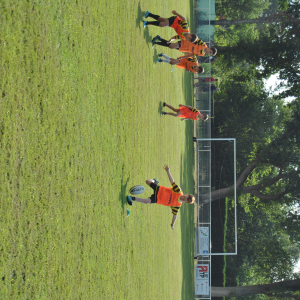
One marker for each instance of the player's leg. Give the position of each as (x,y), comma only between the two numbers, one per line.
(171,107)
(164,43)
(174,61)
(149,181)
(157,18)
(172,114)
(153,183)
(164,55)
(141,200)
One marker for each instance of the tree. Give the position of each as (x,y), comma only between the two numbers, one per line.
(273,161)
(241,9)
(286,289)
(279,17)
(275,51)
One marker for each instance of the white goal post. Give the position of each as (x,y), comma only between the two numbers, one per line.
(203,224)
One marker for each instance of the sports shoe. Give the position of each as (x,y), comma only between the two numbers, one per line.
(156,181)
(144,24)
(159,60)
(156,38)
(147,14)
(153,42)
(163,113)
(160,54)
(129,200)
(164,104)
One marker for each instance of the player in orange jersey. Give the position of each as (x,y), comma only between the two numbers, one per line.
(172,197)
(198,47)
(190,63)
(185,112)
(177,22)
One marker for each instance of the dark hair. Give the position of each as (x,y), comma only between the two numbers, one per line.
(214,51)
(201,70)
(206,117)
(191,199)
(194,38)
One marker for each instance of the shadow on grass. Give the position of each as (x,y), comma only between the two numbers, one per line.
(155,56)
(139,24)
(123,190)
(139,19)
(160,108)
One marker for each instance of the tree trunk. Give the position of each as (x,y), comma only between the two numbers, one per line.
(278,17)
(277,288)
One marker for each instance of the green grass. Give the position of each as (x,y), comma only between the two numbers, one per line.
(81,97)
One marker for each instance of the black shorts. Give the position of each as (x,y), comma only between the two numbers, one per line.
(155,188)
(171,20)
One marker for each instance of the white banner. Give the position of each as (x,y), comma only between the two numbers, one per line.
(202,279)
(204,240)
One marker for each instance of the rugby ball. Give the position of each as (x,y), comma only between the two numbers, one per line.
(137,190)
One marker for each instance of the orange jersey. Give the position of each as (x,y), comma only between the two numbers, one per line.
(180,27)
(190,113)
(169,196)
(188,63)
(192,48)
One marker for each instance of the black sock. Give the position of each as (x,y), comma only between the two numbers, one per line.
(133,198)
(155,17)
(163,42)
(155,23)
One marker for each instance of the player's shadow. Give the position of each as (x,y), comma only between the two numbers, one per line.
(147,37)
(123,190)
(139,24)
(155,56)
(160,108)
(139,19)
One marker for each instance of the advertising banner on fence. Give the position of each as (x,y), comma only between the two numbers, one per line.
(202,279)
(204,240)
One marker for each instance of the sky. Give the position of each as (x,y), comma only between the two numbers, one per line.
(271,84)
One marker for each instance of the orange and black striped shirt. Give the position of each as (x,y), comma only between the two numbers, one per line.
(170,197)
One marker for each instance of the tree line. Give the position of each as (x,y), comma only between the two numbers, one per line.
(257,39)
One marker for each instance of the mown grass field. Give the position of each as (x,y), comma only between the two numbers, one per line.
(80,123)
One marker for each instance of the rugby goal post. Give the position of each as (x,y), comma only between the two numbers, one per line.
(203,252)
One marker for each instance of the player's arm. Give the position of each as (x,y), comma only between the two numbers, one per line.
(173,221)
(175,210)
(200,43)
(167,168)
(194,59)
(174,12)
